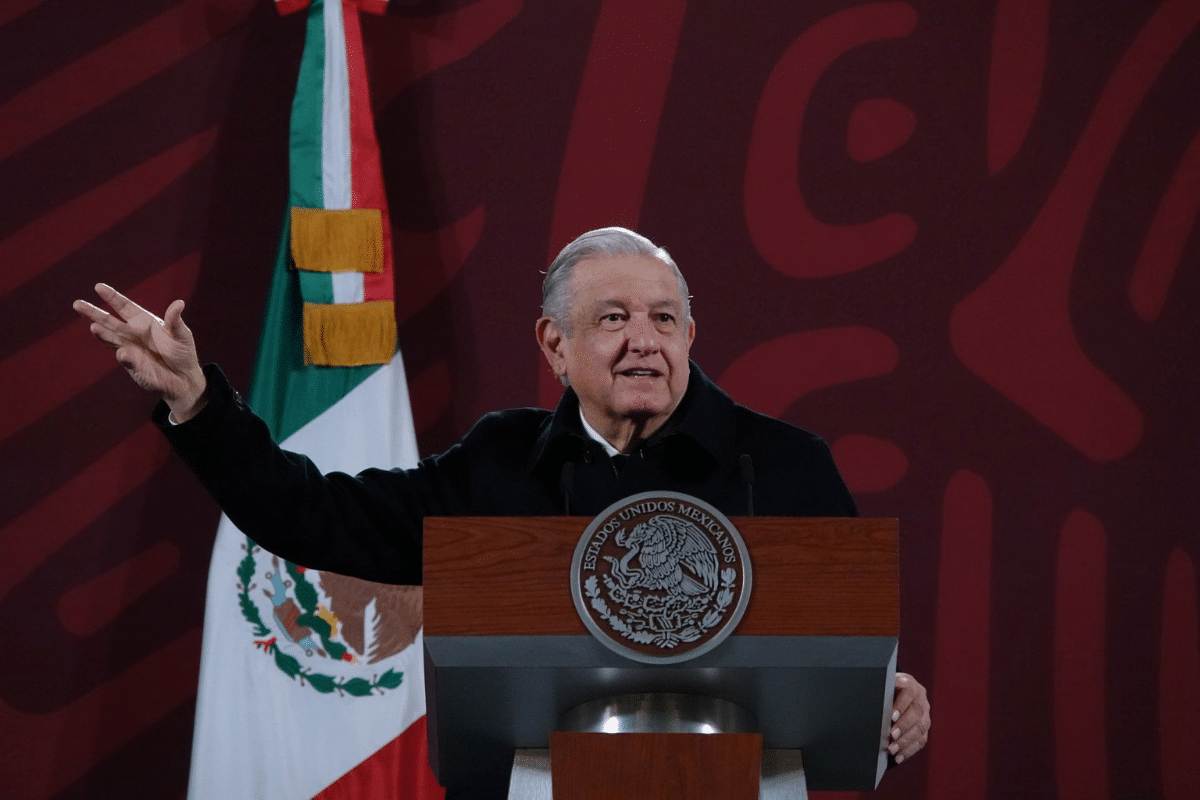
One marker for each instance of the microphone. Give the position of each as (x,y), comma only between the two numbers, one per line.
(565,479)
(748,478)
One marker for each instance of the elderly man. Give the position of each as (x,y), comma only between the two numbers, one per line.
(637,416)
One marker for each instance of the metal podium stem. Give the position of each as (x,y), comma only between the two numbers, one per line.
(657,712)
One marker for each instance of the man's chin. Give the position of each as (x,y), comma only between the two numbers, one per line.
(641,413)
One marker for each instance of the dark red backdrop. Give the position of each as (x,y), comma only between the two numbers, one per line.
(956,239)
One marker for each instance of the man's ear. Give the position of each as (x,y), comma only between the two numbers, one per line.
(551,339)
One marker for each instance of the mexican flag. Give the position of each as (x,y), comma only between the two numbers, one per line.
(310,682)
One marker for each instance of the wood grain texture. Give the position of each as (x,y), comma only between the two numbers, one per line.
(504,576)
(655,766)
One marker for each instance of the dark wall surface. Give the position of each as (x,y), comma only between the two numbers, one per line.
(958,240)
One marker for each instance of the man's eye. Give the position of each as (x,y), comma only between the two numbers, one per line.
(666,318)
(614,317)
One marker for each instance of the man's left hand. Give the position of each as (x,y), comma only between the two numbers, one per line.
(910,718)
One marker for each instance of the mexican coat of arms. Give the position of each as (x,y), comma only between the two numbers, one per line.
(661,577)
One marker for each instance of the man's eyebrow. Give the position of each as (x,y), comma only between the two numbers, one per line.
(607,303)
(623,303)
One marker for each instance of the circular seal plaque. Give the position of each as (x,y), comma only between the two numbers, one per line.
(661,577)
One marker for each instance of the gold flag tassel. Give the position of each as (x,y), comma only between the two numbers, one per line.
(349,334)
(349,240)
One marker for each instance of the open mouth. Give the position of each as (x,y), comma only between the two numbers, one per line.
(640,372)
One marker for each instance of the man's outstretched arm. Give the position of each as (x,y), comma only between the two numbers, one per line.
(367,525)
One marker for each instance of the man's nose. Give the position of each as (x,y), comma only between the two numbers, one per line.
(643,338)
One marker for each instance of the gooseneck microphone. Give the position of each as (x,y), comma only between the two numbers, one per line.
(565,479)
(748,478)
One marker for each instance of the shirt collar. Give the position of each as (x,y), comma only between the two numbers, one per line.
(704,416)
(591,432)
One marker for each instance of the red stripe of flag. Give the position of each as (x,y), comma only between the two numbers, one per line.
(366,171)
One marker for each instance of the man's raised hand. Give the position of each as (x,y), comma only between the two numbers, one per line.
(159,354)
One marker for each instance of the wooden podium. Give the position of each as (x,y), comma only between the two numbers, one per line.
(812,661)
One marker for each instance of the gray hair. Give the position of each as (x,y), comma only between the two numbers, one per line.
(556,296)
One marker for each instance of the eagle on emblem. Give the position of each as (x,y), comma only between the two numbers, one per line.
(673,555)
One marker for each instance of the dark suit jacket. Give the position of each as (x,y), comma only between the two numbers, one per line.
(511,463)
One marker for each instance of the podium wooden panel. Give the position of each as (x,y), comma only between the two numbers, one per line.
(813,657)
(655,766)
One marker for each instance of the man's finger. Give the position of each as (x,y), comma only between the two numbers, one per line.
(119,302)
(105,336)
(910,733)
(85,309)
(913,736)
(173,320)
(105,326)
(910,743)
(903,696)
(127,358)
(911,720)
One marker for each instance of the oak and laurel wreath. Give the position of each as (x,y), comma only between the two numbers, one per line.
(689,634)
(289,665)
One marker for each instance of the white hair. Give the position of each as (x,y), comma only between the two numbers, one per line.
(556,295)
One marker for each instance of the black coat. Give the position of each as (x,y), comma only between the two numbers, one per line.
(511,463)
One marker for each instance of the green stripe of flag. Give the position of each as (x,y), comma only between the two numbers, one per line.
(316,287)
(305,189)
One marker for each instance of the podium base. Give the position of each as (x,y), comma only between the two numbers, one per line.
(781,778)
(531,775)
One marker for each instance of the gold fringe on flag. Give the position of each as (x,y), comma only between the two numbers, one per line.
(349,334)
(349,240)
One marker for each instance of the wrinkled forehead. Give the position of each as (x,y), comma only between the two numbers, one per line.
(625,280)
